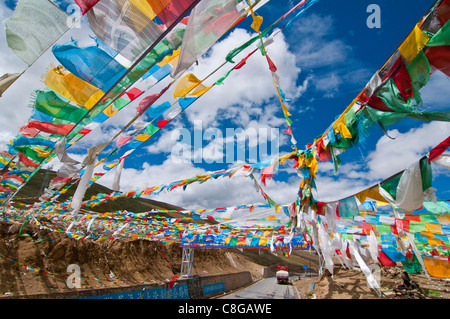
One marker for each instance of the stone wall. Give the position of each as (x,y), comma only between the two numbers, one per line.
(193,288)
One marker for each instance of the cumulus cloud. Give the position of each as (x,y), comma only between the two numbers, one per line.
(222,192)
(247,89)
(392,156)
(432,92)
(317,54)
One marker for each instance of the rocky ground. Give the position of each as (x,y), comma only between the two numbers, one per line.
(352,284)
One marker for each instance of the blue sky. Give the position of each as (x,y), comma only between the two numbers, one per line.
(324,60)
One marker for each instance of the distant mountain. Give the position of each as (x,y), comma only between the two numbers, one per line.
(37,184)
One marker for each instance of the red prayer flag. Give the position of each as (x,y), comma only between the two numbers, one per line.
(168,11)
(163,123)
(403,81)
(134,93)
(384,260)
(443,11)
(147,101)
(85,5)
(122,140)
(375,102)
(27,161)
(243,61)
(272,66)
(51,128)
(439,57)
(438,150)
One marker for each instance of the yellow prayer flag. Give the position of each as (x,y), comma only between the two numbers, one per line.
(312,164)
(72,88)
(200,90)
(142,137)
(371,193)
(435,242)
(262,241)
(185,85)
(437,267)
(413,44)
(175,54)
(205,177)
(434,228)
(257,22)
(144,7)
(41,152)
(341,128)
(381,203)
(285,157)
(109,111)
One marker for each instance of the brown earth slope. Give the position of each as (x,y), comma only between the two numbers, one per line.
(35,261)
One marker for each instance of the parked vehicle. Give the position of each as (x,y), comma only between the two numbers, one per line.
(282,275)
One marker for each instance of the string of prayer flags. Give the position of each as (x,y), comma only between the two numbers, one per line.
(137,139)
(233,53)
(34,27)
(156,55)
(267,168)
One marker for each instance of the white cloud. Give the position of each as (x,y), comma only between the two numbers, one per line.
(222,192)
(325,51)
(432,93)
(392,156)
(248,88)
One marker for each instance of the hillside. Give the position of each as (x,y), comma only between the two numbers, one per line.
(34,260)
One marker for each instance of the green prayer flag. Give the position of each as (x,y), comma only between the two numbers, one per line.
(233,53)
(391,184)
(442,37)
(427,176)
(390,95)
(412,266)
(30,152)
(151,129)
(50,103)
